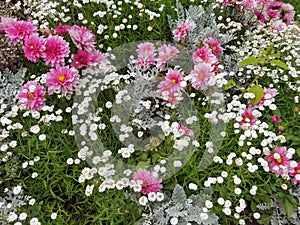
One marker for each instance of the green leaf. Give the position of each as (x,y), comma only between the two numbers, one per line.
(259,93)
(289,205)
(298,151)
(265,219)
(277,62)
(252,60)
(270,49)
(143,164)
(230,84)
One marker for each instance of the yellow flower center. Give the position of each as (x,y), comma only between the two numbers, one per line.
(174,81)
(61,78)
(279,160)
(31,47)
(213,48)
(298,171)
(201,76)
(30,96)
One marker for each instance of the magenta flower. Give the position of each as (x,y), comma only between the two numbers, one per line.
(150,182)
(275,119)
(31,96)
(166,53)
(5,23)
(182,30)
(205,55)
(274,9)
(62,79)
(82,38)
(174,79)
(186,130)
(200,76)
(296,174)
(248,4)
(34,47)
(215,46)
(61,30)
(288,12)
(98,57)
(279,163)
(260,16)
(56,51)
(146,55)
(19,31)
(82,58)
(248,117)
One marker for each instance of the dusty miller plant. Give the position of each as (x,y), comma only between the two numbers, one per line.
(185,209)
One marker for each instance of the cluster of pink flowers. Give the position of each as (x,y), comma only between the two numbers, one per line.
(206,63)
(281,163)
(182,30)
(147,55)
(53,49)
(150,183)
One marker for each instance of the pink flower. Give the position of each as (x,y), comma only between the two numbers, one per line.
(296,174)
(98,57)
(56,51)
(274,9)
(62,79)
(260,16)
(289,13)
(166,53)
(19,30)
(186,130)
(279,163)
(275,119)
(248,117)
(200,76)
(61,30)
(264,1)
(6,23)
(182,30)
(82,38)
(146,55)
(205,55)
(31,96)
(150,182)
(215,46)
(248,4)
(174,79)
(82,58)
(34,47)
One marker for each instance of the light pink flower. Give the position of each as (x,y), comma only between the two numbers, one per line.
(268,95)
(61,30)
(82,38)
(201,75)
(296,173)
(279,163)
(32,96)
(186,130)
(146,55)
(19,30)
(263,1)
(205,55)
(98,57)
(150,182)
(174,79)
(166,53)
(5,23)
(56,51)
(62,79)
(289,13)
(249,4)
(34,47)
(182,30)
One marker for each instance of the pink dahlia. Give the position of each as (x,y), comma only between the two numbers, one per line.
(296,174)
(34,47)
(56,51)
(174,79)
(248,117)
(150,182)
(62,79)
(82,58)
(98,57)
(274,9)
(19,30)
(288,12)
(279,163)
(166,53)
(82,38)
(205,55)
(31,96)
(61,30)
(182,30)
(260,16)
(201,75)
(215,46)
(146,55)
(5,23)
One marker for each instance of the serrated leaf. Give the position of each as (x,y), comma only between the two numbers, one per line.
(289,205)
(230,84)
(259,93)
(277,62)
(178,194)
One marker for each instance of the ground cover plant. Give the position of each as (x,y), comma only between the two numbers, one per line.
(150,112)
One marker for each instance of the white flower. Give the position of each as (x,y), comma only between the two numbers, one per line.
(256,215)
(143,200)
(70,161)
(208,204)
(227,211)
(35,129)
(193,186)
(53,216)
(174,221)
(152,196)
(23,216)
(32,201)
(17,190)
(42,137)
(34,175)
(221,201)
(160,196)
